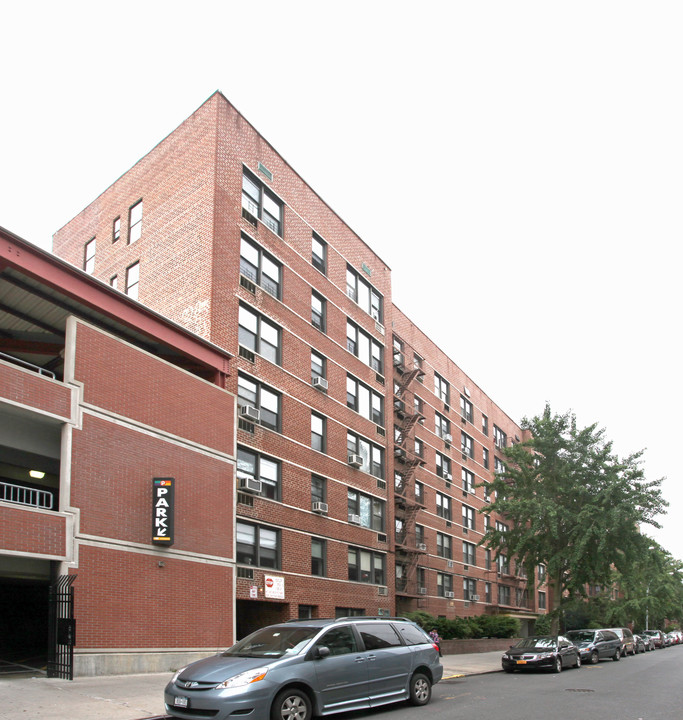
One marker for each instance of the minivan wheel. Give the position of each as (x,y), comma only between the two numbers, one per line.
(617,655)
(420,689)
(558,665)
(595,658)
(292,704)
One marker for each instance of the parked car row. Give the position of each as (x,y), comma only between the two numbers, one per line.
(556,652)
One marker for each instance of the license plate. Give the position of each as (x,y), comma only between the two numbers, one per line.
(519,662)
(180,701)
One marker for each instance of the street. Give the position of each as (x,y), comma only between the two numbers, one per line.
(648,686)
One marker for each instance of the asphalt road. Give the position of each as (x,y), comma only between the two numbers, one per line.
(648,686)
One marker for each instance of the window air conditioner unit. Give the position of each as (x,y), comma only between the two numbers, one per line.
(422,547)
(249,484)
(449,594)
(356,461)
(474,598)
(399,361)
(320,383)
(399,452)
(422,591)
(450,563)
(447,477)
(320,507)
(250,413)
(447,437)
(382,590)
(354,519)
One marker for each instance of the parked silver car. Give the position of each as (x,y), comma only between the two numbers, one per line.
(596,645)
(298,669)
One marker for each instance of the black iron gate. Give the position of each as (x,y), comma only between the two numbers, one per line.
(61,629)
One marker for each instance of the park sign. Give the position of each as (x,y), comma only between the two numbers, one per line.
(162,511)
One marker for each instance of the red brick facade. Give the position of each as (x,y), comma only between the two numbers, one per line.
(382,546)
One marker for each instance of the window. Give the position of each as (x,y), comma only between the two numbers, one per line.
(419,535)
(541,574)
(318,365)
(318,310)
(541,601)
(485,425)
(259,202)
(443,546)
(258,545)
(361,292)
(499,437)
(498,465)
(444,585)
(418,406)
(364,401)
(443,506)
(442,426)
(502,565)
(419,492)
(363,346)
(501,527)
(135,222)
(468,517)
(133,280)
(260,268)
(318,489)
(419,448)
(469,553)
(89,256)
(503,595)
(318,432)
(488,559)
(467,481)
(469,589)
(253,393)
(442,389)
(443,467)
(485,457)
(318,557)
(265,469)
(258,334)
(116,229)
(369,509)
(466,445)
(372,455)
(319,253)
(466,409)
(114,282)
(367,566)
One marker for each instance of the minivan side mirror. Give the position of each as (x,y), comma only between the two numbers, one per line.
(322,652)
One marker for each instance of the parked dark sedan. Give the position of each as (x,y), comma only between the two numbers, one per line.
(596,645)
(553,652)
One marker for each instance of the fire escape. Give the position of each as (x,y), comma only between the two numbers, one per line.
(408,500)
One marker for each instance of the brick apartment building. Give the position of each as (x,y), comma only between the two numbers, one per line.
(359,443)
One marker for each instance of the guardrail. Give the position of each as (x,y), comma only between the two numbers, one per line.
(22,495)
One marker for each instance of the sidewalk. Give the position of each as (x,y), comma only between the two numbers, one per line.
(134,697)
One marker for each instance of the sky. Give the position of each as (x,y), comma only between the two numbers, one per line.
(518,165)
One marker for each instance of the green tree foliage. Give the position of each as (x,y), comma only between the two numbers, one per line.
(572,505)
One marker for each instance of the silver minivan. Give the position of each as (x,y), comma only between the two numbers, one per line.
(302,668)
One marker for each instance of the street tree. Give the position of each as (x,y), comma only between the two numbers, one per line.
(570,505)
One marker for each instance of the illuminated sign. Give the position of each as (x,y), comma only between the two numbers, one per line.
(162,511)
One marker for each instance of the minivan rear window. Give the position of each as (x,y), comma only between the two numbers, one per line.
(412,635)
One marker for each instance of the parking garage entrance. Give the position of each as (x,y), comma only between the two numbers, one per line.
(24,601)
(254,614)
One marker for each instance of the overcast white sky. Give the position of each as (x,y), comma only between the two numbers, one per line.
(524,159)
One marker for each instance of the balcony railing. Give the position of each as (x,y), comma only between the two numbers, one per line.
(31,497)
(30,366)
